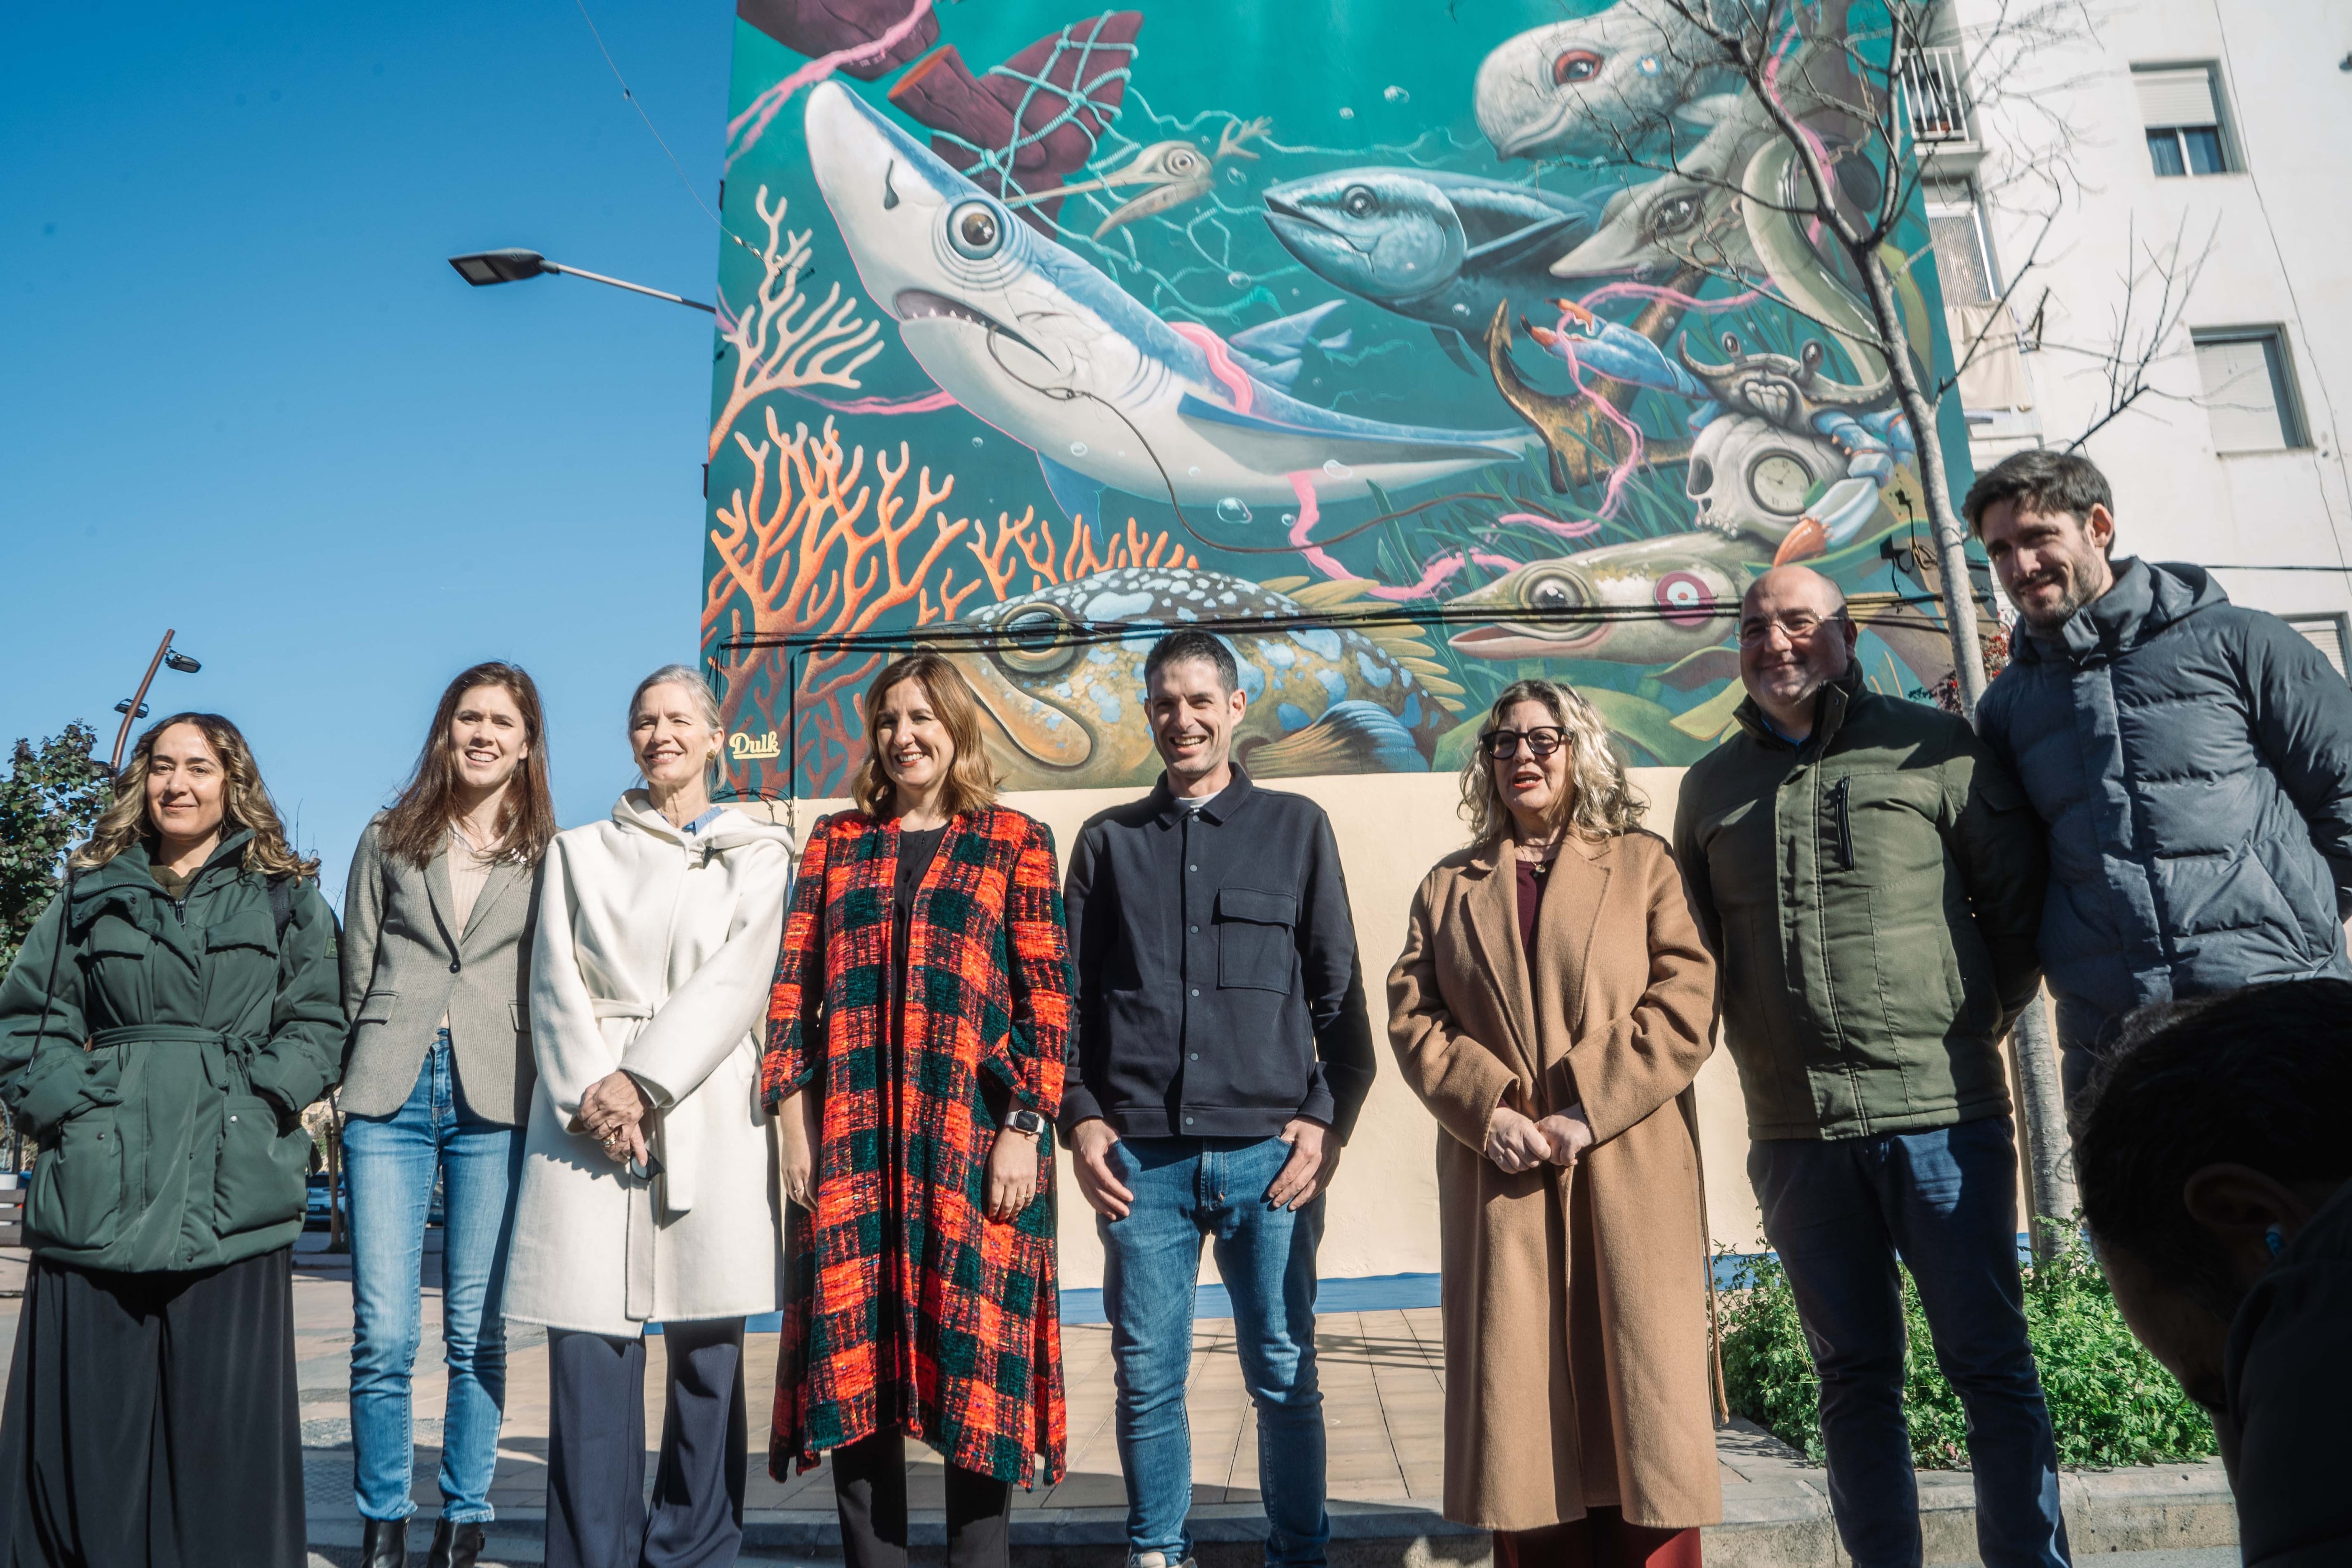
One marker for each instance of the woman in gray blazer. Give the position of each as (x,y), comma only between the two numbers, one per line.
(437,922)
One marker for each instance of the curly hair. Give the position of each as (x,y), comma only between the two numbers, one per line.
(245,803)
(972,782)
(1601,801)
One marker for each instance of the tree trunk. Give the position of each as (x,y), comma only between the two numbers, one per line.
(2041,1102)
(1951,540)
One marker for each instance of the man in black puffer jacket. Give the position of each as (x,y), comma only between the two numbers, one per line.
(2190,758)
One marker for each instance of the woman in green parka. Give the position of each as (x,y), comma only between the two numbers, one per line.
(170,1016)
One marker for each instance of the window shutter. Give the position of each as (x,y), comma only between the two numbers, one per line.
(2175,98)
(2326,634)
(2240,402)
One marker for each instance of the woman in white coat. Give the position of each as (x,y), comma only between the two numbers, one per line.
(648,1174)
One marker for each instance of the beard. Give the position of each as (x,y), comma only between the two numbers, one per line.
(2056,613)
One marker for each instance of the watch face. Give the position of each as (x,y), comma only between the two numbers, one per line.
(1779,482)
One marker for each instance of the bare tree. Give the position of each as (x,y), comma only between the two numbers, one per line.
(1787,144)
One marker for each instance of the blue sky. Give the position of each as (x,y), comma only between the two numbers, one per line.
(242,393)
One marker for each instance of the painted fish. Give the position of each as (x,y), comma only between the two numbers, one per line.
(1612,85)
(1690,216)
(1679,594)
(1038,342)
(1441,248)
(1321,699)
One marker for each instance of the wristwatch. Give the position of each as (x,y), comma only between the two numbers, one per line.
(1028,1122)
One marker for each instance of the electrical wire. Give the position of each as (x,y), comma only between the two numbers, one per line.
(653,131)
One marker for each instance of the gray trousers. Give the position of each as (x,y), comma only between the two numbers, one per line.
(596,1513)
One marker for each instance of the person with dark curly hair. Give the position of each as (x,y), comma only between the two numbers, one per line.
(2217,1184)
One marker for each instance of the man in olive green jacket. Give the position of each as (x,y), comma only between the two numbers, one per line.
(1871,882)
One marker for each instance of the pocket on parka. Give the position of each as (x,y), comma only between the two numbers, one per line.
(78,1194)
(260,1180)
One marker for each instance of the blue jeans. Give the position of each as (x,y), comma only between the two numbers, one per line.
(392,1160)
(1186,1188)
(1839,1211)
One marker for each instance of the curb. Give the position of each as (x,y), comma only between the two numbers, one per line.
(2141,1510)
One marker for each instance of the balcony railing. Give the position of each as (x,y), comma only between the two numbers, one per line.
(1935,94)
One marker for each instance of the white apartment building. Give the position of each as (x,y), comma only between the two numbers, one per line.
(2220,126)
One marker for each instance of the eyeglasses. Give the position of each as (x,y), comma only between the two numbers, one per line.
(1501,742)
(1795,628)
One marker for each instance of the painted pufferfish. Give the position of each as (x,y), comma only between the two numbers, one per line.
(1322,700)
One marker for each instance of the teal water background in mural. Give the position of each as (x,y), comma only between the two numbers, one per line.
(1415,347)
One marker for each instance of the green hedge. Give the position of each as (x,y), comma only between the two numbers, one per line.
(2110,1402)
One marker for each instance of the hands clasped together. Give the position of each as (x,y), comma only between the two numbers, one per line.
(613,1113)
(1517,1141)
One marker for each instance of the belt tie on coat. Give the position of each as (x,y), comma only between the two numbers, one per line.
(676,1195)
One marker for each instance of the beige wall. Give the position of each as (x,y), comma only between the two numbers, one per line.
(1391,828)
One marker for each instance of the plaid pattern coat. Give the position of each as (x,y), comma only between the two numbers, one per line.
(972,1347)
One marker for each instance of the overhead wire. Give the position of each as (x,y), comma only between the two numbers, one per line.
(654,131)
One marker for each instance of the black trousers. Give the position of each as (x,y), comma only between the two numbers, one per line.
(596,1515)
(869,1488)
(151,1420)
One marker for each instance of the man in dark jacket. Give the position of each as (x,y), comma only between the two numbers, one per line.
(2190,758)
(1869,879)
(1219,1056)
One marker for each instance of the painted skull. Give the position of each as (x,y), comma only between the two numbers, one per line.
(1748,474)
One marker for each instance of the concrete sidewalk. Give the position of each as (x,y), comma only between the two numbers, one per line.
(1383,1375)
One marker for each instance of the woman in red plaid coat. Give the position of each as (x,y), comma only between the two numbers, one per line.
(915,1041)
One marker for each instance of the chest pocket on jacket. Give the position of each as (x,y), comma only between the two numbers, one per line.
(1255,948)
(116,957)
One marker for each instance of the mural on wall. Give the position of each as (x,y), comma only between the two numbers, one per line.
(1318,314)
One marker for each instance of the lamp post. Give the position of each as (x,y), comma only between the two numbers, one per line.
(134,707)
(485,268)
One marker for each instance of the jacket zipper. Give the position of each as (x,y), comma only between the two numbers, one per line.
(1838,793)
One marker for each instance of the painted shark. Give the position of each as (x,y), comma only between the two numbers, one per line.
(1036,341)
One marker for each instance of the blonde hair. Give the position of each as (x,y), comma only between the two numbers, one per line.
(245,803)
(1600,800)
(971,783)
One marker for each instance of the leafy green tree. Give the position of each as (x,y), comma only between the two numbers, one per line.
(51,797)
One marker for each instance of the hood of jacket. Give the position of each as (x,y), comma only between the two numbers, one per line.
(127,883)
(2146,598)
(635,811)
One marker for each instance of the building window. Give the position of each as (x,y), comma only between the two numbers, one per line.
(2182,113)
(2331,634)
(1956,228)
(2249,395)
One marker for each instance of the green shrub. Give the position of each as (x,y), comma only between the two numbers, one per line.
(2110,1402)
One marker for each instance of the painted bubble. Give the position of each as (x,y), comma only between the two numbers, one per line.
(1077,449)
(1234,510)
(1346,114)
(1237,278)
(975,441)
(1395,94)
(1337,469)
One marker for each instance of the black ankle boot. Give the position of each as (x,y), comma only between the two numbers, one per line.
(386,1544)
(453,1545)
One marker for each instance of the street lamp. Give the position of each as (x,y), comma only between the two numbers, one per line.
(488,266)
(134,707)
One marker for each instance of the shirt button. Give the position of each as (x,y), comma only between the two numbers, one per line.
(1188,1120)
(1193,930)
(1191,868)
(1193,1056)
(1196,990)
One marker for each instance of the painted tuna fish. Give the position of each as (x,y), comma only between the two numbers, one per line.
(1321,699)
(1441,248)
(1035,339)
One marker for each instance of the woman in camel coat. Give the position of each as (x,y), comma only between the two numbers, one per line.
(1551,1005)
